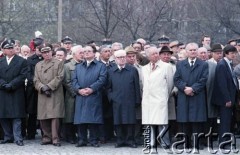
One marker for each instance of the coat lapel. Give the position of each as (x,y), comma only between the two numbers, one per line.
(12,63)
(234,78)
(186,64)
(45,66)
(196,64)
(226,64)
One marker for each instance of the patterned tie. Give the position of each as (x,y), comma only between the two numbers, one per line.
(153,66)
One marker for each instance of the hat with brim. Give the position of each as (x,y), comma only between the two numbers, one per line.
(165,49)
(163,40)
(38,42)
(231,40)
(7,44)
(216,48)
(120,53)
(45,49)
(66,40)
(130,50)
(173,44)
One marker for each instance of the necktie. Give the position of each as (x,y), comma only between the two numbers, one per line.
(192,63)
(231,64)
(107,63)
(153,66)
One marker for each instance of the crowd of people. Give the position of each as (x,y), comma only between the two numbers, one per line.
(95,94)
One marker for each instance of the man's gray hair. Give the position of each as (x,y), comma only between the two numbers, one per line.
(191,44)
(102,47)
(74,49)
(155,49)
(118,44)
(202,49)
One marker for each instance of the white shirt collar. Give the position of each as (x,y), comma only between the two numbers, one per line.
(189,61)
(9,59)
(228,62)
(119,67)
(105,62)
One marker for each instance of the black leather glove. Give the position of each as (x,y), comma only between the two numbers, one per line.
(7,87)
(48,93)
(45,88)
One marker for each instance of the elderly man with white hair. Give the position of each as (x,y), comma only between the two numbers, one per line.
(124,94)
(25,52)
(68,129)
(157,87)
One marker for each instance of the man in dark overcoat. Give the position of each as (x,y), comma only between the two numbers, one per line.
(225,93)
(88,80)
(13,70)
(32,94)
(190,78)
(124,94)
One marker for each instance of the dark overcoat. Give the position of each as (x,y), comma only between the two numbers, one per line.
(12,103)
(191,108)
(124,93)
(88,109)
(31,92)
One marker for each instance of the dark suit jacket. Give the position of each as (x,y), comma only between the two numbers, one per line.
(224,88)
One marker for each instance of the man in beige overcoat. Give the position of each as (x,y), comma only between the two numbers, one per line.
(48,81)
(157,86)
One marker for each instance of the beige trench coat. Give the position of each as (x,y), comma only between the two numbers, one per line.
(157,86)
(51,74)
